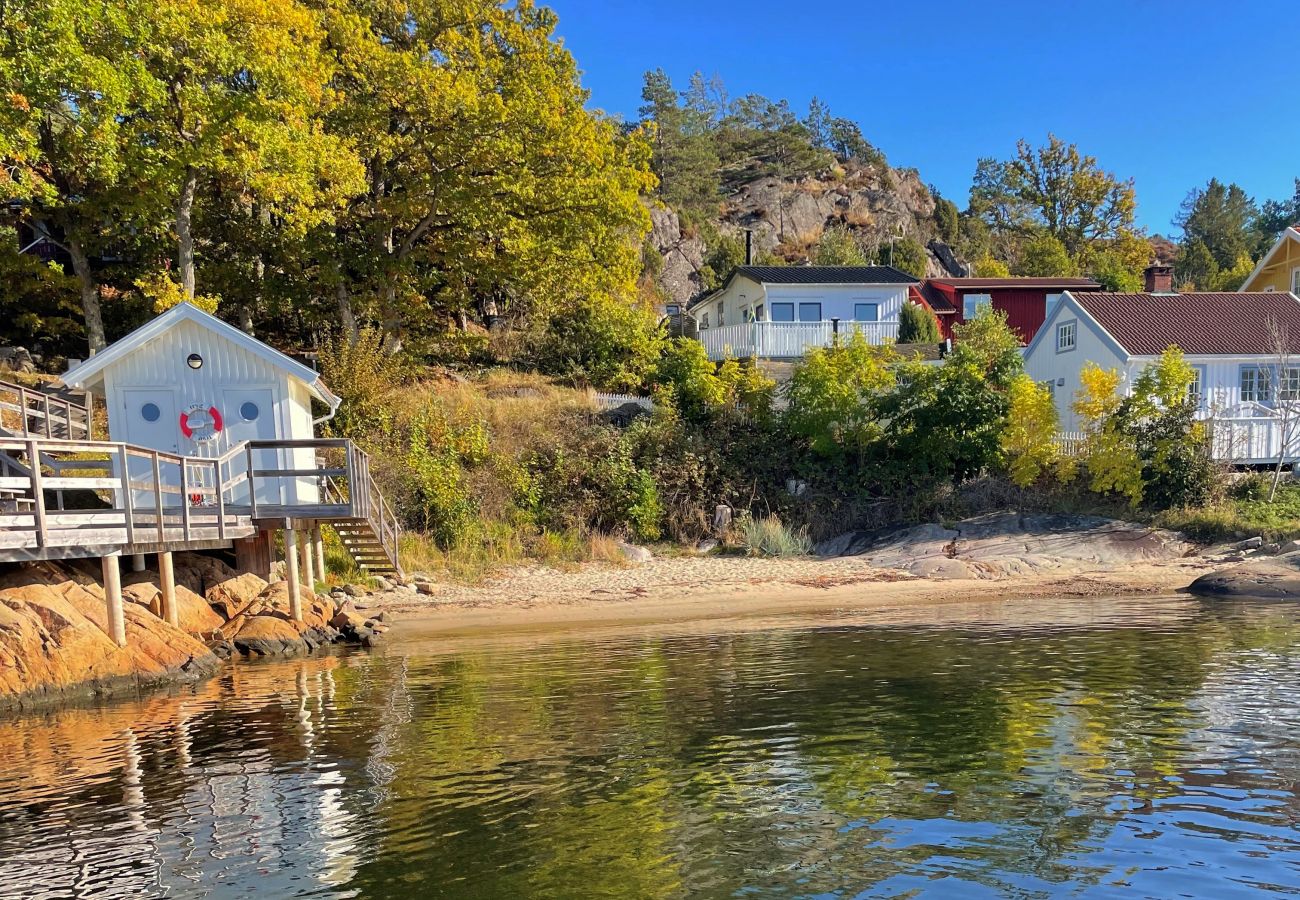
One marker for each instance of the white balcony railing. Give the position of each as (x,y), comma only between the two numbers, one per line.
(786,340)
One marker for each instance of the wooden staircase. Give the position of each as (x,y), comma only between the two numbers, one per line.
(372,538)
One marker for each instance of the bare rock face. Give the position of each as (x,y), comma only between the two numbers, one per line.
(267,635)
(54,640)
(1004,544)
(683,255)
(1276,578)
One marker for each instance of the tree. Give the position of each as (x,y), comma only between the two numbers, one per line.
(1044,256)
(69,93)
(685,159)
(235,90)
(946,218)
(836,247)
(917,325)
(1055,188)
(819,123)
(847,143)
(1029,441)
(1274,217)
(908,255)
(831,396)
(1222,218)
(1286,400)
(988,267)
(490,188)
(1195,266)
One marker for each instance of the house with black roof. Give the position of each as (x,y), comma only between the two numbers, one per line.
(778,312)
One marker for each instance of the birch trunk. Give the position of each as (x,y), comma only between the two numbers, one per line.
(89,296)
(184,234)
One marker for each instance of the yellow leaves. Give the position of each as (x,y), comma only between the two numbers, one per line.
(1098,395)
(166,293)
(1029,440)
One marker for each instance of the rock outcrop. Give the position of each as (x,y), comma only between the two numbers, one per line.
(1270,578)
(1002,544)
(683,254)
(54,640)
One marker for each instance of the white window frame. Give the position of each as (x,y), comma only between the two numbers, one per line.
(1067,335)
(875,305)
(704,320)
(1196,390)
(760,313)
(1288,384)
(971,304)
(1295,281)
(721,314)
(799,305)
(1260,381)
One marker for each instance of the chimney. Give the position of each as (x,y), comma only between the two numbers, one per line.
(1159,279)
(749,247)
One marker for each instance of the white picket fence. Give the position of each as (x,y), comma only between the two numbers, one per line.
(604,400)
(787,340)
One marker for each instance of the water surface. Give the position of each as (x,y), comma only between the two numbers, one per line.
(1094,749)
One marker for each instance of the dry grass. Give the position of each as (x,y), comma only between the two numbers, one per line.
(604,549)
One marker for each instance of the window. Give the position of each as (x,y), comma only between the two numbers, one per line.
(746,314)
(974,304)
(1256,385)
(672,309)
(758,313)
(782,312)
(1196,388)
(721,320)
(1067,334)
(704,320)
(810,312)
(150,412)
(1288,384)
(1295,281)
(248,409)
(1052,300)
(866,312)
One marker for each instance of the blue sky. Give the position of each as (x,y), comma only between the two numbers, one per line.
(1167,93)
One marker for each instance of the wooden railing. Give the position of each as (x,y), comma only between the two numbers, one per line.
(97,494)
(25,412)
(787,340)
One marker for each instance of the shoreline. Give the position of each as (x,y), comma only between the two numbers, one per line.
(758,593)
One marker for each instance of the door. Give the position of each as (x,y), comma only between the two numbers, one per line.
(150,417)
(250,416)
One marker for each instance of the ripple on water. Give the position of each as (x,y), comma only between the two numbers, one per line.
(1149,747)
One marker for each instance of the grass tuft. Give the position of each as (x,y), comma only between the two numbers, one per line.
(769,537)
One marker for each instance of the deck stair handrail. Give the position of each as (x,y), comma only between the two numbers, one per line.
(27,412)
(145,499)
(372,539)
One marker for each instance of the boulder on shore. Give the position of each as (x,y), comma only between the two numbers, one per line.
(1277,578)
(54,640)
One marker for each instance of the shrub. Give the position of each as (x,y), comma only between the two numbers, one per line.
(917,325)
(361,373)
(601,341)
(769,537)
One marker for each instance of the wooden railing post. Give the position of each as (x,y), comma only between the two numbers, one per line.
(252,488)
(45,399)
(185,500)
(127,501)
(221,498)
(158,495)
(38,493)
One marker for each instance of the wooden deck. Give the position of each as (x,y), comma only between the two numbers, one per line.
(64,498)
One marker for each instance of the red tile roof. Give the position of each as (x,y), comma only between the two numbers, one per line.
(1145,324)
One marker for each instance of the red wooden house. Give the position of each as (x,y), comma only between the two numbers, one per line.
(1024,300)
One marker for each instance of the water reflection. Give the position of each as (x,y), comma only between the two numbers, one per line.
(1149,747)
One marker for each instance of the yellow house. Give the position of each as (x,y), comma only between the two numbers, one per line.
(1279,270)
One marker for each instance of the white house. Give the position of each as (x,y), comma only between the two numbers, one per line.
(777,312)
(189,383)
(1240,377)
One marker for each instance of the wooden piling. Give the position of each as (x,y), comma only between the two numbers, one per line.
(167,582)
(320,552)
(291,573)
(137,562)
(113,597)
(308,565)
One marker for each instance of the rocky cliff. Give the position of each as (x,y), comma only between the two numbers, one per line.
(788,216)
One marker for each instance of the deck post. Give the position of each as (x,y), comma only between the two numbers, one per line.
(167,582)
(137,562)
(291,573)
(308,563)
(320,551)
(113,597)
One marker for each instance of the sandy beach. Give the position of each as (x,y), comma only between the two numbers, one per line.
(750,592)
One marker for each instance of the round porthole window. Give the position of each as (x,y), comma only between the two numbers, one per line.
(150,412)
(249,411)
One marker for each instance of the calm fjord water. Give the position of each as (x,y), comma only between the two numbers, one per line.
(1148,748)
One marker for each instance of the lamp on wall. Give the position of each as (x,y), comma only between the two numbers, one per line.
(194,361)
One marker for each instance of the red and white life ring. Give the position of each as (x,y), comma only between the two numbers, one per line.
(201,423)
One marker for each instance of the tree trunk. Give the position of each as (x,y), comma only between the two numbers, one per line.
(89,296)
(347,318)
(184,236)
